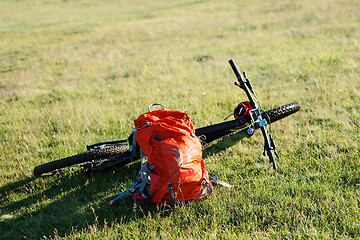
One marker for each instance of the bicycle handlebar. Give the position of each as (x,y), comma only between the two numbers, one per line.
(243,84)
(235,69)
(268,142)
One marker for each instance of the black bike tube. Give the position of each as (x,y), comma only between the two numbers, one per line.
(219,130)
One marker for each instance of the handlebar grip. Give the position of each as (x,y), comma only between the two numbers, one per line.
(235,69)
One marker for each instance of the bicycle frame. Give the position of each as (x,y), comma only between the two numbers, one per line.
(213,132)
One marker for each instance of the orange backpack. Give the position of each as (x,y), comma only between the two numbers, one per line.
(172,167)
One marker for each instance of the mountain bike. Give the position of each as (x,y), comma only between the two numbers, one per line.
(248,116)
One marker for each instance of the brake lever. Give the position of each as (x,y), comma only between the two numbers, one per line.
(247,81)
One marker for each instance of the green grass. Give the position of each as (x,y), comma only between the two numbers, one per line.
(79,72)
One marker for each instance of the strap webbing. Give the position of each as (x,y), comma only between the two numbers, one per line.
(202,191)
(172,194)
(128,191)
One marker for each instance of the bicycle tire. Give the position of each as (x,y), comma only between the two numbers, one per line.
(80,158)
(278,113)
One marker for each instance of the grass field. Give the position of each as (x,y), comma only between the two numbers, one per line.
(78,72)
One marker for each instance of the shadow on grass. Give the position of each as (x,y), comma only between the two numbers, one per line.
(71,202)
(61,204)
(224,143)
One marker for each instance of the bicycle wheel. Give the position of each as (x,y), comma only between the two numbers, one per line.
(80,158)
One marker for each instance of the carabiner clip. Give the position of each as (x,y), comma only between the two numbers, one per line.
(156,104)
